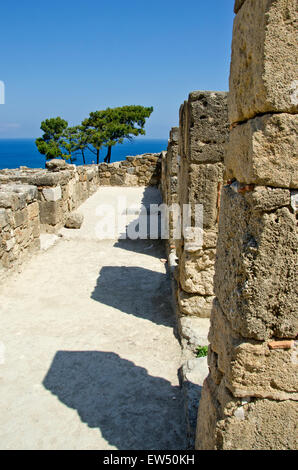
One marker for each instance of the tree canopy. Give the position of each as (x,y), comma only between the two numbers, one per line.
(50,143)
(104,128)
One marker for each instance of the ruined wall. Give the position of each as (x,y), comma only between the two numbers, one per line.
(140,170)
(34,201)
(61,189)
(249,400)
(203,134)
(195,176)
(19,225)
(169,183)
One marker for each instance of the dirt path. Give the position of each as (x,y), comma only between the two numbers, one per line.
(91,358)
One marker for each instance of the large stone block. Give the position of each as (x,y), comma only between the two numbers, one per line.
(264,151)
(226,423)
(199,184)
(194,305)
(33,210)
(52,194)
(251,368)
(263,75)
(3,218)
(203,127)
(197,271)
(256,264)
(50,212)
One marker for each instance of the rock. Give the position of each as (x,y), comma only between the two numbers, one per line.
(264,151)
(196,305)
(197,271)
(256,265)
(52,194)
(56,164)
(263,75)
(250,367)
(74,220)
(194,332)
(193,374)
(243,425)
(203,127)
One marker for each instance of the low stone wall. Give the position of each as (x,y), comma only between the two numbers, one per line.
(140,170)
(19,225)
(61,189)
(34,201)
(249,400)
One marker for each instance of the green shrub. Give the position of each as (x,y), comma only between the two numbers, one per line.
(202,351)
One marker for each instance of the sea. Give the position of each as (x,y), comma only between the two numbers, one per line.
(23,152)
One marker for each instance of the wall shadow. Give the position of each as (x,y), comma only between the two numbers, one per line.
(133,410)
(136,291)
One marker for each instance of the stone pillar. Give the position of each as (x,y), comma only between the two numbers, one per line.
(249,399)
(202,137)
(203,134)
(169,184)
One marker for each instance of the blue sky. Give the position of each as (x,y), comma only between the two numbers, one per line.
(67,58)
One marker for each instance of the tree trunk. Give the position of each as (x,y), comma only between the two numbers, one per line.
(108,156)
(84,161)
(97,156)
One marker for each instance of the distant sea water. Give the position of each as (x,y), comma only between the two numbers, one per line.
(23,152)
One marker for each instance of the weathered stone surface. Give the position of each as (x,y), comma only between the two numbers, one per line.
(50,212)
(238,5)
(74,220)
(52,194)
(130,180)
(266,199)
(263,76)
(193,374)
(3,218)
(21,217)
(256,268)
(250,367)
(199,184)
(264,151)
(226,423)
(203,127)
(33,210)
(195,305)
(197,271)
(56,164)
(194,332)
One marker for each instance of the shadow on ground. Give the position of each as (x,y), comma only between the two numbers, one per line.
(136,291)
(133,410)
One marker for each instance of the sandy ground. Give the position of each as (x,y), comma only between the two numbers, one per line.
(88,354)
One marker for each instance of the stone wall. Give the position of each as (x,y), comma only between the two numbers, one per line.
(19,225)
(249,399)
(61,189)
(34,201)
(203,135)
(140,170)
(169,184)
(195,176)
